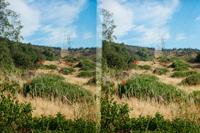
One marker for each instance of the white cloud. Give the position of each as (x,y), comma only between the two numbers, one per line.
(197,18)
(180,37)
(122,15)
(54,18)
(29,16)
(87,35)
(148,19)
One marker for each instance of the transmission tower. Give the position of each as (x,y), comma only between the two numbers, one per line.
(69,41)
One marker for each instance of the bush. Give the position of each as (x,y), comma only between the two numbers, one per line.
(145,67)
(115,119)
(195,95)
(6,61)
(183,73)
(86,64)
(15,117)
(193,79)
(86,73)
(71,59)
(147,86)
(179,65)
(24,55)
(67,70)
(59,124)
(92,81)
(54,86)
(53,67)
(160,71)
(164,59)
(115,55)
(198,57)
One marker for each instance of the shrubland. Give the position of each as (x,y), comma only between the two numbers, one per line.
(16,54)
(148,86)
(54,86)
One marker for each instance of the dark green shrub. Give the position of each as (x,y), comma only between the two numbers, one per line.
(14,117)
(115,55)
(6,60)
(87,73)
(86,64)
(54,86)
(67,70)
(92,81)
(113,117)
(160,71)
(164,59)
(61,125)
(53,67)
(197,58)
(179,65)
(145,86)
(145,67)
(183,73)
(193,79)
(70,59)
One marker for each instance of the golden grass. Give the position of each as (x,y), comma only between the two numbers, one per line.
(46,107)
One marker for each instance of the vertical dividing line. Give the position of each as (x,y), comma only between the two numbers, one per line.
(98,63)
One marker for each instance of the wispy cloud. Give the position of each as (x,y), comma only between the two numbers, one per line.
(87,35)
(54,18)
(122,15)
(29,16)
(148,19)
(197,18)
(181,36)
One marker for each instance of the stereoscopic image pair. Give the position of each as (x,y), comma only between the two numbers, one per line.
(99,66)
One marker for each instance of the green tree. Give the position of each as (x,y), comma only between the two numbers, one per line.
(108,26)
(10,25)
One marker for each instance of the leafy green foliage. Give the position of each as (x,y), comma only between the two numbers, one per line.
(86,73)
(115,119)
(24,55)
(70,59)
(179,65)
(193,79)
(145,67)
(142,54)
(86,64)
(10,25)
(54,86)
(183,73)
(164,59)
(160,71)
(198,57)
(6,60)
(15,117)
(67,70)
(59,124)
(147,86)
(115,55)
(53,67)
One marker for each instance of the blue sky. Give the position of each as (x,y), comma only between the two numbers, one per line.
(147,22)
(51,22)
